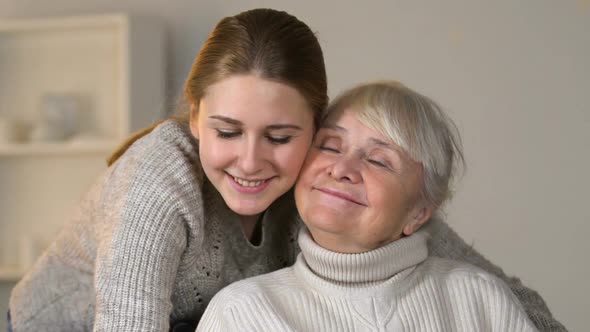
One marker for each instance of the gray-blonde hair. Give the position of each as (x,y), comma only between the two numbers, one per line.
(416,124)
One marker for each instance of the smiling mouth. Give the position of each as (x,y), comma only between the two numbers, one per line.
(341,195)
(249,183)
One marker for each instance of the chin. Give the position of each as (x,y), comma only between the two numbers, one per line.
(325,221)
(245,209)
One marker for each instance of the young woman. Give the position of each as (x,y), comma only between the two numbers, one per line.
(201,200)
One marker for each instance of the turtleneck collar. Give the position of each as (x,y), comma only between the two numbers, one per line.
(363,269)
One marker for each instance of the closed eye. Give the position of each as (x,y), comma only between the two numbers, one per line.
(227,134)
(278,140)
(378,163)
(327,148)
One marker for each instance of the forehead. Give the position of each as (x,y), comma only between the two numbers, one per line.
(243,96)
(347,122)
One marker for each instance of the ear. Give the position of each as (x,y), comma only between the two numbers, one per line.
(419,217)
(194,120)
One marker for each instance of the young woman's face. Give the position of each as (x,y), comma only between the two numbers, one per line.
(357,190)
(253,137)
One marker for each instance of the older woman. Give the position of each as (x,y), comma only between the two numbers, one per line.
(379,170)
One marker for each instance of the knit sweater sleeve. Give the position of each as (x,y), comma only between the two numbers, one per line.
(446,243)
(140,248)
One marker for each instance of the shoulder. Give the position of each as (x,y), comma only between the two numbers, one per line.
(448,269)
(167,156)
(169,139)
(470,290)
(237,306)
(465,278)
(159,173)
(245,291)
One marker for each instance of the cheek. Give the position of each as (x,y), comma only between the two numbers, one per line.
(300,198)
(211,154)
(306,178)
(292,158)
(379,197)
(310,170)
(395,205)
(388,204)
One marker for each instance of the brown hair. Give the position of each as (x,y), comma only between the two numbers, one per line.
(269,43)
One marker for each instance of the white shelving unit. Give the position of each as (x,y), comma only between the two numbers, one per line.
(114,65)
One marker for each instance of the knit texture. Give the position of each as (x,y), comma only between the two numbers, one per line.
(149,245)
(444,242)
(153,241)
(392,288)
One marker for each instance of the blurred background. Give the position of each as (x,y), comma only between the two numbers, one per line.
(514,75)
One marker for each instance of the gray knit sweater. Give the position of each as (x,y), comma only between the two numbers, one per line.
(396,287)
(153,241)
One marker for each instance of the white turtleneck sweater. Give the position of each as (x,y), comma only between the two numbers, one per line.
(393,288)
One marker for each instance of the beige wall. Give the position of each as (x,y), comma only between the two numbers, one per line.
(515,76)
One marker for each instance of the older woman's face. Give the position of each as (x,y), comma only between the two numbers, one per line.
(357,190)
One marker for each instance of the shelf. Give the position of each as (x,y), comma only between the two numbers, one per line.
(113,66)
(10,274)
(58,148)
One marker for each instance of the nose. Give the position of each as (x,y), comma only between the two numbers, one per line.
(251,157)
(346,168)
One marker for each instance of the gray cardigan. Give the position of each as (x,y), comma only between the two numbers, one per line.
(153,241)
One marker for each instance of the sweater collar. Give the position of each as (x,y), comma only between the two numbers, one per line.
(366,268)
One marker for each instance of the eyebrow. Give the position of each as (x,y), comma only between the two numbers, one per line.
(382,144)
(284,126)
(239,123)
(226,119)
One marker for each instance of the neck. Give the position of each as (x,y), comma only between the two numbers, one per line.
(343,244)
(249,228)
(364,268)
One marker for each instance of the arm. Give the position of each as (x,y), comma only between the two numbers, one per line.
(134,278)
(139,251)
(445,242)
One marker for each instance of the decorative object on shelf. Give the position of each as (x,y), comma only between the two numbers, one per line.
(7,130)
(11,131)
(86,138)
(59,118)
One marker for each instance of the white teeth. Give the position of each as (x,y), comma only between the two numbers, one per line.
(245,183)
